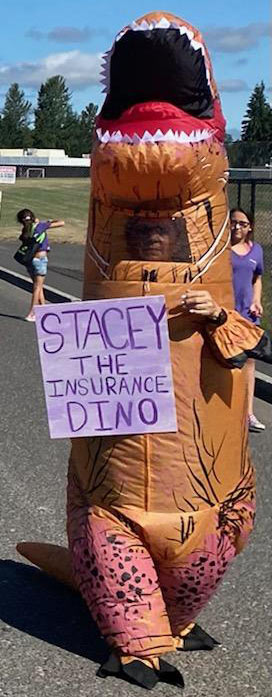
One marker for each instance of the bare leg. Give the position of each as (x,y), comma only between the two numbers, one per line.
(250,367)
(35,300)
(42,298)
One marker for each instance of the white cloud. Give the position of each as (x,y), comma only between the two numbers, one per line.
(79,69)
(241,61)
(67,35)
(233,85)
(237,39)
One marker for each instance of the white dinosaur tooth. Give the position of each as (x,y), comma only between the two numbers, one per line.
(116,137)
(184,30)
(136,138)
(147,137)
(169,135)
(182,137)
(144,26)
(196,45)
(163,23)
(126,139)
(158,135)
(105,137)
(121,33)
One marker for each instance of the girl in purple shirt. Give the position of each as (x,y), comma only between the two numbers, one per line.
(33,227)
(248,267)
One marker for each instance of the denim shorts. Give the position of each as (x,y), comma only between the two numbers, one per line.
(38,266)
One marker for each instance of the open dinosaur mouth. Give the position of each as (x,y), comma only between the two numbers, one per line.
(157,64)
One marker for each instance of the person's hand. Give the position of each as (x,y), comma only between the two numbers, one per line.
(200,302)
(256,309)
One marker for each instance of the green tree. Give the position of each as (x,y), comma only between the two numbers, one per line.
(257,124)
(70,133)
(87,124)
(15,129)
(53,110)
(228,139)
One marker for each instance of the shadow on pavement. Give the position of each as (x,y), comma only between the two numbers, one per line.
(263,390)
(26,284)
(40,606)
(22,319)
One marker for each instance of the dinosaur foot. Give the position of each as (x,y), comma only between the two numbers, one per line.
(139,673)
(197,640)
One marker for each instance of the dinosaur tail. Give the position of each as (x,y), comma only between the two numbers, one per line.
(53,559)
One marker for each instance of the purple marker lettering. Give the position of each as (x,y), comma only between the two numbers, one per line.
(75,412)
(108,364)
(137,385)
(154,414)
(120,365)
(56,393)
(123,387)
(81,360)
(94,319)
(159,384)
(71,386)
(157,321)
(76,328)
(53,333)
(83,387)
(146,382)
(117,330)
(97,386)
(100,415)
(120,412)
(133,330)
(110,384)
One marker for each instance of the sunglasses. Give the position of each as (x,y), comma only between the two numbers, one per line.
(239,223)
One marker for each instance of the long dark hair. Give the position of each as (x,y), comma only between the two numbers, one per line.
(250,218)
(26,217)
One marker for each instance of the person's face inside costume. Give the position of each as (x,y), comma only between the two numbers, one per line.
(157,240)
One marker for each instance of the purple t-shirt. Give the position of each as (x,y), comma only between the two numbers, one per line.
(244,268)
(41,227)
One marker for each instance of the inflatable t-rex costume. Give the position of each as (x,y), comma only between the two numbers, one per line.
(155,520)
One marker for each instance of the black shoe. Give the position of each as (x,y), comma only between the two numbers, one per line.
(198,640)
(138,673)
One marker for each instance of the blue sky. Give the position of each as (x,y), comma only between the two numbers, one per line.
(67,37)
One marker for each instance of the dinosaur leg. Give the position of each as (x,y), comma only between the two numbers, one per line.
(117,578)
(187,589)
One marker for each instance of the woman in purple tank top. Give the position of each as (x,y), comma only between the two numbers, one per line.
(248,267)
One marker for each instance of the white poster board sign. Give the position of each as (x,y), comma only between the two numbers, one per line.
(7,174)
(106,367)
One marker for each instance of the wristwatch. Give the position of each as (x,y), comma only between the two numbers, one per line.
(220,319)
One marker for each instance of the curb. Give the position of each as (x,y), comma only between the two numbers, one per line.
(263,382)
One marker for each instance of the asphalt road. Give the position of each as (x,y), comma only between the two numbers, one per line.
(49,645)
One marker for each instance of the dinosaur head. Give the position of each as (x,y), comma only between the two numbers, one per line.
(159,84)
(159,151)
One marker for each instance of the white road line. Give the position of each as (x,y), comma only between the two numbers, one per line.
(26,278)
(260,376)
(264,377)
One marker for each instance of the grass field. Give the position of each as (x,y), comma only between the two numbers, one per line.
(63,199)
